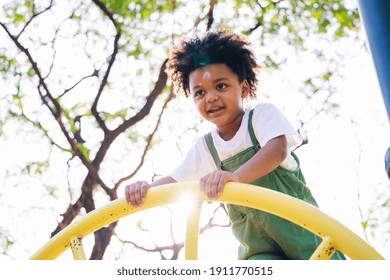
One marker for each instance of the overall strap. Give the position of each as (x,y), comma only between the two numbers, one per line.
(213,151)
(251,131)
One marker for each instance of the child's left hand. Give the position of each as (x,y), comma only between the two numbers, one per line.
(212,184)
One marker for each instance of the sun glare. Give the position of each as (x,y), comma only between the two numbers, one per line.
(187,201)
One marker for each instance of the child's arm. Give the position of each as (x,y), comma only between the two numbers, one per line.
(136,193)
(263,162)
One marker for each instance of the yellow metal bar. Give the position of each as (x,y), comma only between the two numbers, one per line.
(109,213)
(76,245)
(192,232)
(325,250)
(282,205)
(303,214)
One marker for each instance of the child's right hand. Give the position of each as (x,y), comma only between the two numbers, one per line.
(213,183)
(136,193)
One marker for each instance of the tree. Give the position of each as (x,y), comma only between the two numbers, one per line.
(86,78)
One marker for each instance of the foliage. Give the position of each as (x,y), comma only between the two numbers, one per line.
(85,79)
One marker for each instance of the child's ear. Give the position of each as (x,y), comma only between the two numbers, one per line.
(245,89)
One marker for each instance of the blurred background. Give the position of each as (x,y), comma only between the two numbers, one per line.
(85,107)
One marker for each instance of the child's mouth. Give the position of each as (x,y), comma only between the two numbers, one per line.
(215,109)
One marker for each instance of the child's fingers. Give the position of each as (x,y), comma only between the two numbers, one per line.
(144,190)
(136,193)
(140,193)
(212,184)
(221,184)
(205,184)
(127,193)
(220,181)
(136,196)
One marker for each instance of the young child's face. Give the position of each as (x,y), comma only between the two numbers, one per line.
(218,96)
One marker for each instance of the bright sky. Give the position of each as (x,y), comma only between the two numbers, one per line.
(343,165)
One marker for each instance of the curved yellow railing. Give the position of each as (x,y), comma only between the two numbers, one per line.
(335,235)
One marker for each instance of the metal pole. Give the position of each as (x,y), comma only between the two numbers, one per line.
(376,19)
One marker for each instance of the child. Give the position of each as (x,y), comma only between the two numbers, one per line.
(218,71)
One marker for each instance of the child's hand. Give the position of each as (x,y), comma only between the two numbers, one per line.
(136,193)
(212,184)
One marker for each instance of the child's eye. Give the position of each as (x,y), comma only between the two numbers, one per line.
(221,86)
(198,93)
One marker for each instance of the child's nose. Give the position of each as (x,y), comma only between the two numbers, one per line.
(212,96)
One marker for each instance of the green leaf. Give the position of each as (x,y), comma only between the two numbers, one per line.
(84,151)
(31,72)
(326,76)
(318,14)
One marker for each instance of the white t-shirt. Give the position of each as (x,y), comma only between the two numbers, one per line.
(267,121)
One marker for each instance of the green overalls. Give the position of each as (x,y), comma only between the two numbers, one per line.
(264,236)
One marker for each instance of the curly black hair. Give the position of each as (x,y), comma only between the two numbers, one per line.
(213,48)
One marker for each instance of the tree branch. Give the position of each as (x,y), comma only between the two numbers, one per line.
(145,110)
(94,74)
(106,11)
(68,216)
(94,110)
(34,15)
(102,239)
(56,111)
(175,247)
(211,223)
(148,143)
(209,15)
(39,126)
(50,102)
(110,136)
(96,114)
